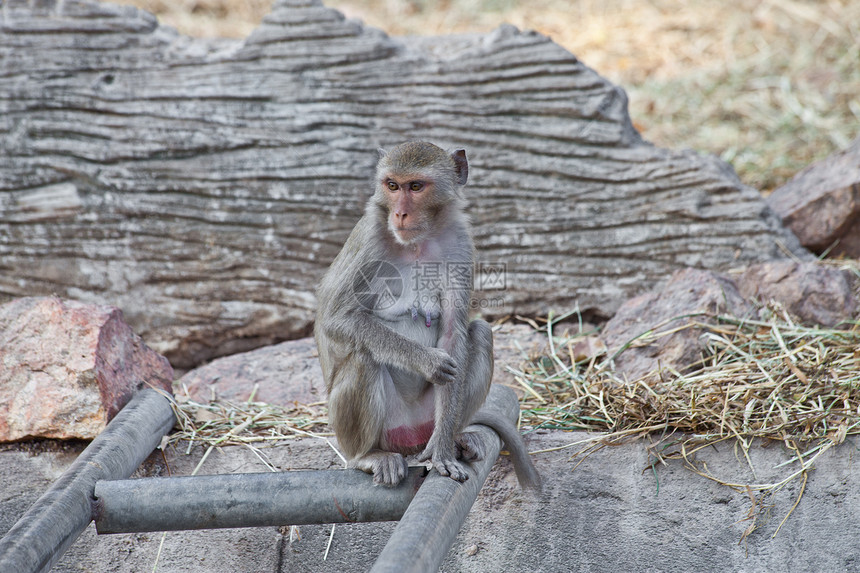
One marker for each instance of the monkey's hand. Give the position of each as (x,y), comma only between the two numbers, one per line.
(439,368)
(444,459)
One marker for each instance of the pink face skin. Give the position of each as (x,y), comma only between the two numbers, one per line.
(406,198)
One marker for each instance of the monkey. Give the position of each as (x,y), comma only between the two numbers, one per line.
(405,368)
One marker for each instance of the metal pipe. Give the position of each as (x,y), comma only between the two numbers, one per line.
(249,500)
(427,530)
(57,518)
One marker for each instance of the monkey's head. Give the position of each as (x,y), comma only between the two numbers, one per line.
(416,184)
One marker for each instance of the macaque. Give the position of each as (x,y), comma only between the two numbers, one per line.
(405,369)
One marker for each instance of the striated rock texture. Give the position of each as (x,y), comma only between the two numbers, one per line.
(204,187)
(66,368)
(821,204)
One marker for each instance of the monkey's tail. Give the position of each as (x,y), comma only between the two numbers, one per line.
(527,475)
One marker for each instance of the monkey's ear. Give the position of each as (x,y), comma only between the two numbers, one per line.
(382,153)
(461,166)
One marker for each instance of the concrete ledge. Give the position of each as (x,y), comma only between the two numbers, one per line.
(610,514)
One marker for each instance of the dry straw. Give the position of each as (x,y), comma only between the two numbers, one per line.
(765,378)
(769,378)
(249,423)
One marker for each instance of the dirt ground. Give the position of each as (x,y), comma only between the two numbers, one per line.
(767,85)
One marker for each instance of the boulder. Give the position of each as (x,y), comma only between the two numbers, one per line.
(812,292)
(205,187)
(640,334)
(821,204)
(278,374)
(66,368)
(644,321)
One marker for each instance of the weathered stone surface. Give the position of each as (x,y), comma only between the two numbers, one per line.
(66,368)
(290,372)
(821,204)
(814,293)
(279,374)
(688,292)
(612,513)
(204,188)
(513,344)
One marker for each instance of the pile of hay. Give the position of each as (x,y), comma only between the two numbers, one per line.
(769,378)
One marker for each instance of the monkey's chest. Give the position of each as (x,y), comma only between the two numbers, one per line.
(411,300)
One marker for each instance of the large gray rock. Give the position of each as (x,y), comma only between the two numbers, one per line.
(204,187)
(66,368)
(612,513)
(821,204)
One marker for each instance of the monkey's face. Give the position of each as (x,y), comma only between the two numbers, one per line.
(416,182)
(411,201)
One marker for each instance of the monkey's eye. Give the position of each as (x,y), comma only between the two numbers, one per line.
(416,186)
(392,186)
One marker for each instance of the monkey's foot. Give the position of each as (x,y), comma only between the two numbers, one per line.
(470,447)
(388,468)
(446,464)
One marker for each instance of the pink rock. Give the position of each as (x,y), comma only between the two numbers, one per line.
(821,204)
(814,293)
(589,348)
(280,374)
(66,368)
(688,292)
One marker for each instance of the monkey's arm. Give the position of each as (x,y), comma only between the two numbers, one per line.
(449,404)
(386,346)
(455,316)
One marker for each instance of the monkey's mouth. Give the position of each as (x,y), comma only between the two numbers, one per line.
(407,231)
